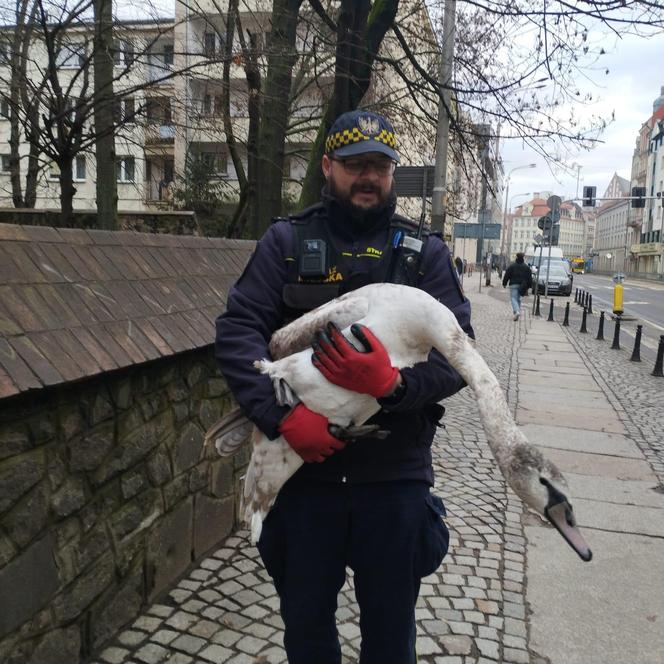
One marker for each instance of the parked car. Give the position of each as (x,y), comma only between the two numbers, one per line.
(559,280)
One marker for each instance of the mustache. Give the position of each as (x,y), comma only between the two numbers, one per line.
(365,186)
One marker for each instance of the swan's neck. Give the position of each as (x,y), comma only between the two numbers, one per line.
(499,425)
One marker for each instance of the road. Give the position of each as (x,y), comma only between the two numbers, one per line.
(642,299)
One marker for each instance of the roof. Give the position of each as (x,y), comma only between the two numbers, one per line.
(77,303)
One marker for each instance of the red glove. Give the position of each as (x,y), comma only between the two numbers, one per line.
(370,372)
(307,433)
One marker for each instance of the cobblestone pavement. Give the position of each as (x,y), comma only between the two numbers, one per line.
(471,611)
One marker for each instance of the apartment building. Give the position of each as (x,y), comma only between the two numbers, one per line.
(143,57)
(170,95)
(646,235)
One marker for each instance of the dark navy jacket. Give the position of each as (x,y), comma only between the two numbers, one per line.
(255,309)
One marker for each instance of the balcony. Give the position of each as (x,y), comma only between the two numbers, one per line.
(159,134)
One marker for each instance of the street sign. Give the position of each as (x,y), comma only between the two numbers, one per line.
(414,181)
(474,231)
(538,239)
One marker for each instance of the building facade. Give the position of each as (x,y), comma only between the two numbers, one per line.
(169,83)
(645,225)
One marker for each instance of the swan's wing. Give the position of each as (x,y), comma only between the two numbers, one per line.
(229,433)
(299,334)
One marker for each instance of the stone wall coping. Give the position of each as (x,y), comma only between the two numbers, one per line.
(75,303)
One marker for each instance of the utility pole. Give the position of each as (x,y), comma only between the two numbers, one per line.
(439,197)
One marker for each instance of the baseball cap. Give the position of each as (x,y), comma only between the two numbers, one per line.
(358,132)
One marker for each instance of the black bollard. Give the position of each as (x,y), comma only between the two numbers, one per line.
(616,335)
(636,353)
(537,307)
(657,371)
(576,296)
(585,298)
(600,329)
(583,329)
(590,304)
(550,318)
(566,319)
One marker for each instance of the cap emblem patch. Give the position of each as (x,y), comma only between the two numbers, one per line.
(368,125)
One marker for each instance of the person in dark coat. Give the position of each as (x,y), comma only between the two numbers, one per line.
(519,278)
(459,266)
(367,504)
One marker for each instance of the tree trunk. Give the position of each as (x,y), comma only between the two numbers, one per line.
(21,39)
(67,192)
(107,189)
(361,29)
(272,134)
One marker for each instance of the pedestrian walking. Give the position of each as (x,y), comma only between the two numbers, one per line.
(459,266)
(519,278)
(366,505)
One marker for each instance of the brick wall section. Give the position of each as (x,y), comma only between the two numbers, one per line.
(108,383)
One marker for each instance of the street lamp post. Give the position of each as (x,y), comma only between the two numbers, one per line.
(507,191)
(578,168)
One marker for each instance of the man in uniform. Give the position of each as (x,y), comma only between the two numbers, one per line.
(365,504)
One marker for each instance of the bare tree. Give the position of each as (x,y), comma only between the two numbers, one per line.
(106,185)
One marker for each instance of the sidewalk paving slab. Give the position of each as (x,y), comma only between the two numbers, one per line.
(580,440)
(604,612)
(601,465)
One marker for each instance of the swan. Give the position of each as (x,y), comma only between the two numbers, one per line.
(409,322)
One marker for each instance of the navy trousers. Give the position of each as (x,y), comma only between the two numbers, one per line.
(391,534)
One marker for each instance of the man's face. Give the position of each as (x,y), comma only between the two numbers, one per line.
(364,180)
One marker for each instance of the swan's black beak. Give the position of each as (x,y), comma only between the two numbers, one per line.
(559,512)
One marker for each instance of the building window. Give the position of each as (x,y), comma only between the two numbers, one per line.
(71,56)
(124,110)
(123,53)
(209,44)
(168,54)
(4,163)
(206,107)
(79,168)
(125,169)
(4,108)
(216,162)
(5,52)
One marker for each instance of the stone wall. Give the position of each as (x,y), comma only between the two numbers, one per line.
(107,495)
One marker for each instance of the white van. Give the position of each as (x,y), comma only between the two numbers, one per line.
(532,254)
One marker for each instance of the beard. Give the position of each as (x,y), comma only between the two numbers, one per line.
(362,216)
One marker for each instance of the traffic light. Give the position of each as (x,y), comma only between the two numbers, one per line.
(551,235)
(638,197)
(589,196)
(544,223)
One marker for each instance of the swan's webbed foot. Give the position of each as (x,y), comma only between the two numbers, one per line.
(352,432)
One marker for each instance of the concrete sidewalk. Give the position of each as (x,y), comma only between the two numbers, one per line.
(510,589)
(612,609)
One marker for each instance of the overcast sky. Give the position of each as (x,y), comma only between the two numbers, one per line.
(635,79)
